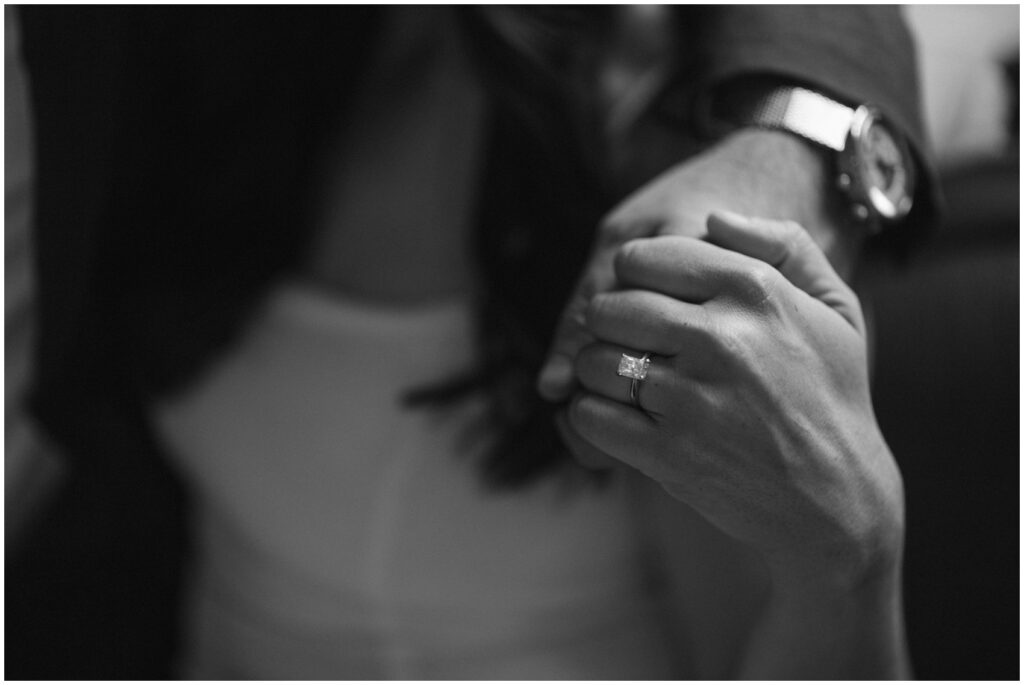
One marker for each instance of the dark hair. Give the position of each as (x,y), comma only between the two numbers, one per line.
(540,205)
(220,115)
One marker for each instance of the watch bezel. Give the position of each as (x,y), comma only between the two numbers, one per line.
(858,183)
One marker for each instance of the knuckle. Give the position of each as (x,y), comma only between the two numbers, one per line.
(787,238)
(738,340)
(791,230)
(796,237)
(628,256)
(759,283)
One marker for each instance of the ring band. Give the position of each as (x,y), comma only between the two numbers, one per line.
(634,392)
(634,368)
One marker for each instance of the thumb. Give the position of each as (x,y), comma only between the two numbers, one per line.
(790,249)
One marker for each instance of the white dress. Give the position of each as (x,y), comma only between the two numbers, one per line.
(344,536)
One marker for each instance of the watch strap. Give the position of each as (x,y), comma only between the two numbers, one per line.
(876,180)
(798,110)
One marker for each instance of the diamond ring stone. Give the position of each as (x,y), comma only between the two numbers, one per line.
(634,367)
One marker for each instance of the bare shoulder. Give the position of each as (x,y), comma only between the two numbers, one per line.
(714,588)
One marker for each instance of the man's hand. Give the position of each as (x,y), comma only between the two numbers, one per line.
(756,412)
(755,172)
(756,409)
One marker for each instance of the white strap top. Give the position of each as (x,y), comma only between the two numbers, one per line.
(343,535)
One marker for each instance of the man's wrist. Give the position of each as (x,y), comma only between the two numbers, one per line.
(871,163)
(752,171)
(821,633)
(875,574)
(790,178)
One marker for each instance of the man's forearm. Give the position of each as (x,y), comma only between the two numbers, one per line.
(856,634)
(834,631)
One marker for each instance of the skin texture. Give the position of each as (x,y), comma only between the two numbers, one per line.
(761,173)
(756,412)
(756,408)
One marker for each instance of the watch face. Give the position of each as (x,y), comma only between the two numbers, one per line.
(883,166)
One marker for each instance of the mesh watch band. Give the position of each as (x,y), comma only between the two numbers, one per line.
(799,111)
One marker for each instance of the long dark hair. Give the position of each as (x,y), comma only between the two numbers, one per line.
(537,212)
(553,174)
(216,118)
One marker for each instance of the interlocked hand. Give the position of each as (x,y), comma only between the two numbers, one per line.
(756,409)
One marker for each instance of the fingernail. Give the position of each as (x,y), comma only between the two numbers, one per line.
(555,379)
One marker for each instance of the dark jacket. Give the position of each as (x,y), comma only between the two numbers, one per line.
(172,144)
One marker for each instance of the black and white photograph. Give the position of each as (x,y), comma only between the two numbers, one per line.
(511,342)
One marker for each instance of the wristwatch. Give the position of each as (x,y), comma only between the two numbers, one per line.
(874,168)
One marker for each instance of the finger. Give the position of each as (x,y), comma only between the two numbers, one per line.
(789,248)
(688,269)
(582,451)
(556,381)
(647,320)
(613,428)
(597,370)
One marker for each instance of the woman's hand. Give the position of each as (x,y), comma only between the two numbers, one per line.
(756,409)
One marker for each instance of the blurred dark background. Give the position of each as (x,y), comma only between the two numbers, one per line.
(947,364)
